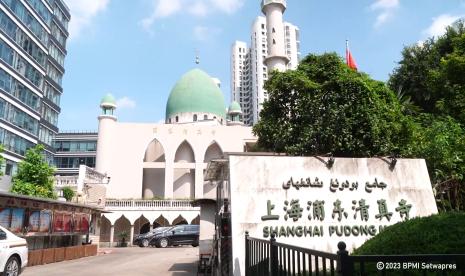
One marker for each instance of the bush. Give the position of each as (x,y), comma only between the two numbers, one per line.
(436,234)
(68,193)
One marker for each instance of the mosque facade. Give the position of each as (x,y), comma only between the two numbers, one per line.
(165,162)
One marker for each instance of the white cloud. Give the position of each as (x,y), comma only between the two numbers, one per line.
(386,10)
(197,8)
(125,102)
(228,6)
(440,23)
(203,33)
(162,8)
(82,13)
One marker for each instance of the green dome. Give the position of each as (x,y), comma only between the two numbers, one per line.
(195,92)
(235,107)
(108,100)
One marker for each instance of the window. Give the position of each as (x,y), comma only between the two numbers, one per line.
(177,119)
(274,41)
(8,55)
(28,19)
(195,117)
(273,30)
(169,120)
(205,117)
(10,168)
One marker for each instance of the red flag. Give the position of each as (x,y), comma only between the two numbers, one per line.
(350,60)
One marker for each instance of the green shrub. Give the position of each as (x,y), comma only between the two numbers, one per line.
(68,193)
(436,234)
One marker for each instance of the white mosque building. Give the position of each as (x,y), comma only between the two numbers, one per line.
(165,161)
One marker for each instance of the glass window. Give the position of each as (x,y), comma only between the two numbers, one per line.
(42,10)
(13,142)
(60,16)
(58,35)
(91,146)
(46,135)
(25,69)
(65,146)
(74,146)
(195,117)
(56,54)
(52,94)
(27,19)
(54,74)
(49,115)
(18,117)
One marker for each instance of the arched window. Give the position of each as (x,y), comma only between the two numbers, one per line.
(195,117)
(169,120)
(205,117)
(273,30)
(274,42)
(177,119)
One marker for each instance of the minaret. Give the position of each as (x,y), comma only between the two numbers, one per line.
(273,10)
(107,120)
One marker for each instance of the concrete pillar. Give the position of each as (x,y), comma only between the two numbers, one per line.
(169,180)
(198,180)
(131,235)
(112,234)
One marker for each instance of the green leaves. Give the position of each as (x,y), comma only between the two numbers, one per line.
(34,176)
(68,193)
(324,107)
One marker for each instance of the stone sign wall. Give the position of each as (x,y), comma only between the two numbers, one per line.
(308,203)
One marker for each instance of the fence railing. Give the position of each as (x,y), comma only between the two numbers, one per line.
(268,257)
(141,204)
(66,181)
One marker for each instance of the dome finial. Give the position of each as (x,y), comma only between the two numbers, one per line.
(197,58)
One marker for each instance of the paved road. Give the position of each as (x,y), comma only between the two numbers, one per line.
(131,261)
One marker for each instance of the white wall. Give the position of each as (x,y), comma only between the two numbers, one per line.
(256,179)
(125,145)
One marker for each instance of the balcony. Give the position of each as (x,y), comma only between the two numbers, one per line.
(66,181)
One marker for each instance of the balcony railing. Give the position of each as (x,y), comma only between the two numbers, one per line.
(66,181)
(149,204)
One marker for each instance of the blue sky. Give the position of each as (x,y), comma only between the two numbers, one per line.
(138,49)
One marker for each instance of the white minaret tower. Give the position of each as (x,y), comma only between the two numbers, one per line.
(107,121)
(273,10)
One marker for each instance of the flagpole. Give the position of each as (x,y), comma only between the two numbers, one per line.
(347,51)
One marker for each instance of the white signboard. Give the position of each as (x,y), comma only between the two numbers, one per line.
(308,204)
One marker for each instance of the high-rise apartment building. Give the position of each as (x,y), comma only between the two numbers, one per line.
(33,36)
(250,66)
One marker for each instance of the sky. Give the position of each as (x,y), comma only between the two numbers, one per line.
(138,49)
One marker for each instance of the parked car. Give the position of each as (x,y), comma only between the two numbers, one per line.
(13,253)
(178,235)
(143,240)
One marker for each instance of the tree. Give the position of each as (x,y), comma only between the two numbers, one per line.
(68,193)
(324,106)
(431,73)
(34,176)
(440,141)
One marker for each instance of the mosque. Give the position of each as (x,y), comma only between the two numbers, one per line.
(166,161)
